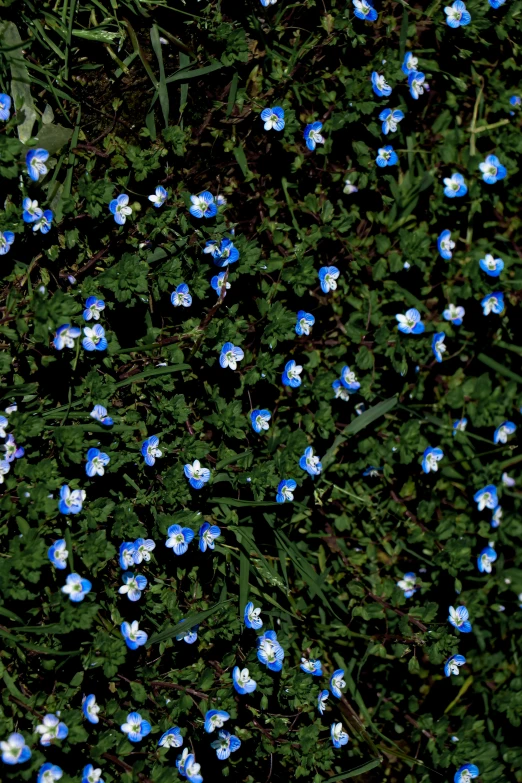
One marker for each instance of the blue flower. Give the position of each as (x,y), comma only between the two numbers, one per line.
(179,539)
(270,652)
(305,321)
(459,425)
(507,481)
(192,769)
(127,550)
(6,240)
(502,432)
(3,424)
(309,463)
(49,773)
(337,683)
(96,462)
(207,536)
(311,666)
(291,374)
(338,735)
(44,223)
(142,549)
(515,100)
(90,709)
(492,170)
(407,584)
(380,86)
(135,727)
(260,419)
(132,635)
(349,379)
(486,497)
(203,206)
(5,109)
(493,303)
(321,701)
(225,745)
(230,355)
(266,3)
(349,188)
(171,738)
(32,211)
(312,135)
(65,336)
(285,490)
(273,118)
(364,10)
(35,162)
(120,209)
(455,186)
(224,254)
(132,585)
(465,773)
(386,156)
(94,339)
(58,554)
(76,587)
(437,345)
(409,63)
(71,501)
(339,391)
(390,119)
(196,475)
(372,471)
(491,266)
(328,278)
(456,14)
(243,683)
(496,517)
(496,3)
(159,197)
(150,451)
(459,619)
(417,84)
(91,775)
(100,414)
(181,296)
(445,245)
(452,665)
(219,285)
(14,750)
(431,458)
(411,322)
(215,719)
(252,617)
(51,729)
(485,559)
(189,636)
(93,308)
(12,451)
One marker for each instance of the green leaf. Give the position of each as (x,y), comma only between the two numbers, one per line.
(20,80)
(356,425)
(352,773)
(187,623)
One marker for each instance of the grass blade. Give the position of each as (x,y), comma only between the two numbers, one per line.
(162,86)
(358,424)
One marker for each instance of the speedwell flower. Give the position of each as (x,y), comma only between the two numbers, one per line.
(5,467)
(225,745)
(71,501)
(321,701)
(386,156)
(493,303)
(349,188)
(120,208)
(455,186)
(215,719)
(507,481)
(43,224)
(431,458)
(31,211)
(454,314)
(14,750)
(50,773)
(196,475)
(349,379)
(486,497)
(270,652)
(189,636)
(496,518)
(142,549)
(380,86)
(364,10)
(338,735)
(35,161)
(207,536)
(409,64)
(181,297)
(285,490)
(192,769)
(93,308)
(339,391)
(491,266)
(260,419)
(100,414)
(159,197)
(90,709)
(51,728)
(390,119)
(459,425)
(291,374)
(132,585)
(58,554)
(203,206)
(226,254)
(456,14)
(171,738)
(150,451)
(252,616)
(407,584)
(445,245)
(12,451)
(310,463)
(96,462)
(5,109)
(230,355)
(273,118)
(91,774)
(242,681)
(219,285)
(452,664)
(94,339)
(65,336)
(135,727)
(502,432)
(465,773)
(310,666)
(492,170)
(305,321)
(410,323)
(76,587)
(179,539)
(337,683)
(127,550)
(459,618)
(312,135)
(6,240)
(437,345)
(496,3)
(485,559)
(132,635)
(417,84)
(328,278)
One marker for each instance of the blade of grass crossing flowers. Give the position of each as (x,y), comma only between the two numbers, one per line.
(187,623)
(352,773)
(505,371)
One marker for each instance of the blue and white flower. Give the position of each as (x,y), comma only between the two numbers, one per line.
(491,266)
(437,345)
(465,773)
(94,339)
(6,240)
(328,278)
(192,769)
(349,188)
(285,490)
(456,14)
(219,284)
(225,745)
(493,303)
(417,84)
(150,451)
(49,773)
(90,709)
(230,355)
(507,481)
(380,86)
(337,683)
(242,681)
(71,500)
(312,135)
(454,314)
(126,555)
(338,735)
(207,536)
(31,211)
(93,308)
(132,635)
(135,727)
(215,719)
(142,549)
(496,517)
(44,223)
(390,119)
(273,118)
(260,419)
(12,451)
(227,253)
(179,539)
(252,616)
(452,665)
(459,618)
(35,161)
(5,467)
(364,10)
(96,462)
(171,738)
(132,585)
(410,323)
(409,64)
(120,208)
(305,321)
(349,379)
(515,100)
(431,458)
(189,636)
(386,156)
(76,587)
(496,3)
(58,554)
(100,414)
(291,375)
(455,186)
(486,497)
(459,425)
(485,560)
(196,475)
(269,651)
(50,729)
(5,110)
(407,584)
(203,206)
(91,774)
(65,336)
(14,750)
(445,245)
(310,463)
(181,297)
(339,391)
(311,666)
(321,701)
(501,433)
(159,197)
(492,170)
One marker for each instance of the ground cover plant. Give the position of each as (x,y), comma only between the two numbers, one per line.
(261,391)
